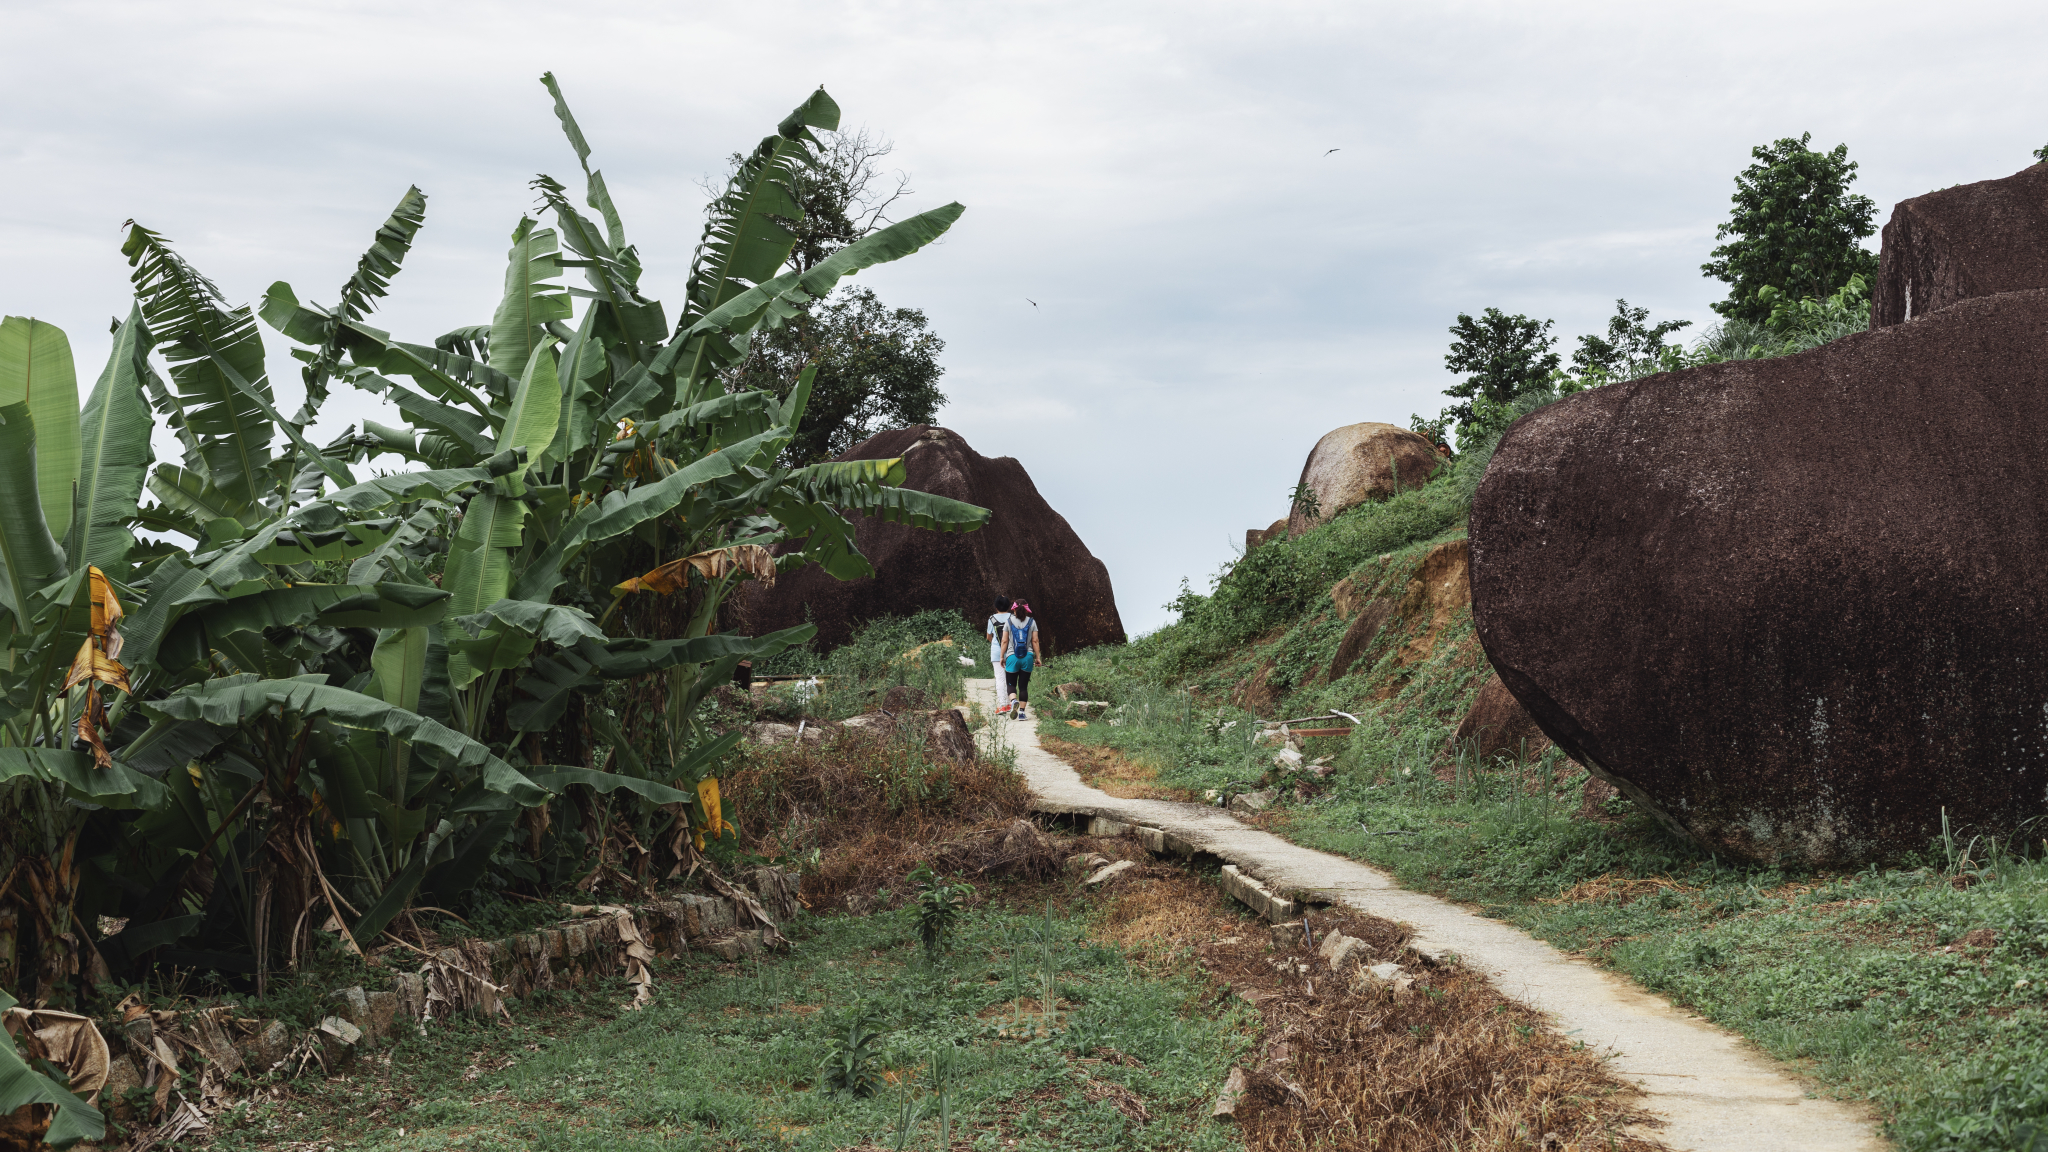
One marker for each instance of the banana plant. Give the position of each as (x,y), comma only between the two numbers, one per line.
(612,447)
(69,483)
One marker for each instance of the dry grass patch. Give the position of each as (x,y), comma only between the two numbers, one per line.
(1112,771)
(1348,1062)
(874,809)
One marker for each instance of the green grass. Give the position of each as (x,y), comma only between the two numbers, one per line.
(1845,975)
(730,1058)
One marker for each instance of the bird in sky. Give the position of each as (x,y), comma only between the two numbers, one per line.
(1333,150)
(1030,301)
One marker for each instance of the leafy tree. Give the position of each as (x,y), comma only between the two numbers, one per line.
(1632,347)
(876,368)
(2041,153)
(1506,356)
(1795,228)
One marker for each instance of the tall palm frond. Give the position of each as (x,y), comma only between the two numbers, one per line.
(204,339)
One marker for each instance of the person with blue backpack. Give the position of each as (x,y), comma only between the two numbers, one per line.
(1020,656)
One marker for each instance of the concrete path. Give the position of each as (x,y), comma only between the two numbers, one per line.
(1714,1091)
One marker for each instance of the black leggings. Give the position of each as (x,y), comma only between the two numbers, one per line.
(1020,683)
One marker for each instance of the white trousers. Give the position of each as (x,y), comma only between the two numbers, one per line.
(1002,682)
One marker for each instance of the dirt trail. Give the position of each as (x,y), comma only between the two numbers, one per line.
(1715,1092)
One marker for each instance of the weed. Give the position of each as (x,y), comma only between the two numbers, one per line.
(938,906)
(852,1058)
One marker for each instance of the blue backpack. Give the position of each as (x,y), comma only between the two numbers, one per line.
(1020,644)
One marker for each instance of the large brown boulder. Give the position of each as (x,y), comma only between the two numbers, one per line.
(1026,550)
(1963,242)
(1361,462)
(1793,606)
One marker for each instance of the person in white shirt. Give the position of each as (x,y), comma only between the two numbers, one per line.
(998,631)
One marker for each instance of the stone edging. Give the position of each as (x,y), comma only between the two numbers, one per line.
(474,976)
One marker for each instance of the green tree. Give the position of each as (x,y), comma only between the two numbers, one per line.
(1632,347)
(1795,228)
(1506,356)
(877,368)
(2041,154)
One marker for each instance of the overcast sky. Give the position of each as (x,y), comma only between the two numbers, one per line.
(1216,290)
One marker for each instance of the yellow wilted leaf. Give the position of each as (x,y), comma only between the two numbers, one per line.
(714,816)
(752,559)
(106,607)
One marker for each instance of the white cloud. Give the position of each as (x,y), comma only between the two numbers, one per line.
(1215,290)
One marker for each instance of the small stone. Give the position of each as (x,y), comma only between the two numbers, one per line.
(121,1080)
(353,1005)
(1111,872)
(1288,936)
(1287,757)
(1103,826)
(1349,952)
(1332,940)
(1387,972)
(1253,803)
(1234,1087)
(383,1013)
(339,1040)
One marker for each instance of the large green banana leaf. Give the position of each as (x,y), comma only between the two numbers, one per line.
(503,635)
(591,662)
(114,453)
(114,786)
(205,625)
(471,431)
(713,335)
(620,512)
(437,484)
(919,509)
(598,197)
(535,412)
(35,367)
(202,333)
(233,700)
(530,301)
(744,239)
(21,1086)
(190,492)
(371,280)
(479,571)
(29,557)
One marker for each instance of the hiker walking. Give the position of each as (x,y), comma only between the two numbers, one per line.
(998,632)
(1020,656)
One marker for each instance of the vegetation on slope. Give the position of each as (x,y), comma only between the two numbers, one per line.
(1919,986)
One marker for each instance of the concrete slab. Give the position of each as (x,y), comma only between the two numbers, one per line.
(1714,1091)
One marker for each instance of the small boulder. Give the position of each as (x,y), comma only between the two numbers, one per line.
(1111,872)
(948,736)
(1253,537)
(901,698)
(866,724)
(1342,951)
(1361,462)
(1253,803)
(1235,1085)
(1497,725)
(339,1040)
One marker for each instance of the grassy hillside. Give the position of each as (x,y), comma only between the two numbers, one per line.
(1918,986)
